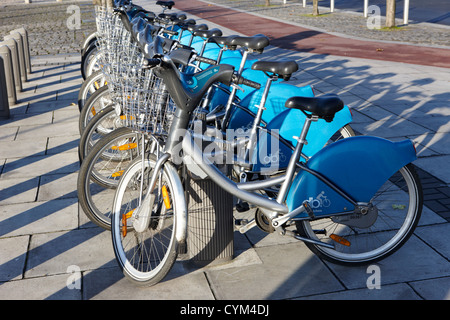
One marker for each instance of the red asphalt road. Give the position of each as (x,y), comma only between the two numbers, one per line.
(288,36)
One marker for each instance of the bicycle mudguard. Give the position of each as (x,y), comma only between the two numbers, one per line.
(359,166)
(290,121)
(179,198)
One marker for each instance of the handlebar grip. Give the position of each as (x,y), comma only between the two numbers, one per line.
(251,83)
(153,62)
(206,60)
(240,80)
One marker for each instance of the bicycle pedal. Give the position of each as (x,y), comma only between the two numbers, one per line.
(242,206)
(308,209)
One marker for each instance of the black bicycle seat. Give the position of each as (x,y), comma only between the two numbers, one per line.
(283,69)
(256,43)
(208,33)
(196,27)
(325,107)
(220,39)
(165,4)
(186,23)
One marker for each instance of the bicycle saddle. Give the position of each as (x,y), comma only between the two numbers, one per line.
(283,69)
(324,107)
(186,23)
(165,4)
(168,16)
(193,28)
(256,43)
(220,40)
(208,33)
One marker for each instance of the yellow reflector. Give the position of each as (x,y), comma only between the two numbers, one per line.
(124,147)
(93,111)
(97,86)
(124,221)
(166,197)
(340,240)
(117,173)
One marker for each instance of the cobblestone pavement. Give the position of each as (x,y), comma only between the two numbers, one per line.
(342,22)
(47,25)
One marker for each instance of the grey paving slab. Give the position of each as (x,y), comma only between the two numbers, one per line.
(28,119)
(61,144)
(40,107)
(401,291)
(437,166)
(433,289)
(48,130)
(53,253)
(13,252)
(71,113)
(38,217)
(110,284)
(433,236)
(389,128)
(8,133)
(42,288)
(18,190)
(40,165)
(438,142)
(287,271)
(58,186)
(414,261)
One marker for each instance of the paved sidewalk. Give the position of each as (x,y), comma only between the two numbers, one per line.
(44,236)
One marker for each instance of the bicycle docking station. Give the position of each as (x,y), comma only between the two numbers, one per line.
(210,239)
(15,65)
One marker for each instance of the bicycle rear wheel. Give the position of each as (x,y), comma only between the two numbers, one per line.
(145,257)
(363,239)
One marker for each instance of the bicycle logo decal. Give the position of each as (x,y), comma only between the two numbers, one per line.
(321,201)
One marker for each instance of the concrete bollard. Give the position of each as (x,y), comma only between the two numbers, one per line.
(26,48)
(12,44)
(5,56)
(23,67)
(4,104)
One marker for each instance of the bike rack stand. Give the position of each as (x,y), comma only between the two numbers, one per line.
(210,223)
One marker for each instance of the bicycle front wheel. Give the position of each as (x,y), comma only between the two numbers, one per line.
(363,239)
(145,257)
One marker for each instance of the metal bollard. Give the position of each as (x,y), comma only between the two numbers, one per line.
(23,66)
(26,48)
(4,104)
(5,56)
(12,44)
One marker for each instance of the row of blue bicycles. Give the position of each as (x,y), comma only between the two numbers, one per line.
(167,99)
